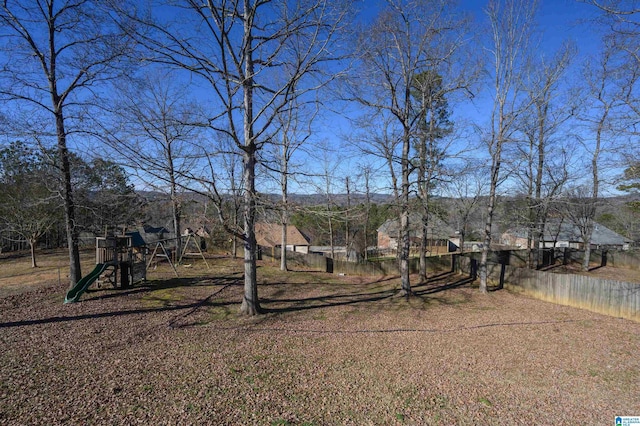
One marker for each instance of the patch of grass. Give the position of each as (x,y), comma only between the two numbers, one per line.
(17,275)
(161,297)
(485,401)
(486,308)
(217,313)
(586,323)
(624,377)
(439,401)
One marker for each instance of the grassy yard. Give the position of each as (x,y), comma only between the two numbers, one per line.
(330,350)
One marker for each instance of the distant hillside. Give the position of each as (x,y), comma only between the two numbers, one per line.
(300,199)
(336,199)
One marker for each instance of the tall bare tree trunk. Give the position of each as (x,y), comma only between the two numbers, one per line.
(175,205)
(75,271)
(495,171)
(405,243)
(285,222)
(250,303)
(511,21)
(423,250)
(591,210)
(284,187)
(347,240)
(32,247)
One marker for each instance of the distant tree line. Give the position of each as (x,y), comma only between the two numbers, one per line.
(31,203)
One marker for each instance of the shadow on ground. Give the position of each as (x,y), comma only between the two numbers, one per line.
(278,301)
(435,284)
(148,288)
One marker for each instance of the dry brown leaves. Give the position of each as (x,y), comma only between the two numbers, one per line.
(330,350)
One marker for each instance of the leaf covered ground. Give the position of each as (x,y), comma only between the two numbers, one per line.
(329,350)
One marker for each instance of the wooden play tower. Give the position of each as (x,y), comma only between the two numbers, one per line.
(128,261)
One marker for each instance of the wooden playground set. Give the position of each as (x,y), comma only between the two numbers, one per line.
(123,260)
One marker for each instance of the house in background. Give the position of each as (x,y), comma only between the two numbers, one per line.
(197,230)
(438,236)
(566,234)
(270,235)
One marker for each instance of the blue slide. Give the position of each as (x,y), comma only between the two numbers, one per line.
(81,286)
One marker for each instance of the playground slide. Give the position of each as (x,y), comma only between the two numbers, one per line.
(81,286)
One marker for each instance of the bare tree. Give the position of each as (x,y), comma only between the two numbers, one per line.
(579,208)
(366,171)
(511,22)
(256,56)
(56,53)
(295,129)
(407,39)
(379,139)
(433,125)
(604,96)
(621,19)
(329,164)
(548,111)
(466,190)
(221,181)
(232,166)
(157,135)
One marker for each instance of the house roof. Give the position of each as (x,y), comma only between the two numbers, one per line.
(601,235)
(566,231)
(270,235)
(436,228)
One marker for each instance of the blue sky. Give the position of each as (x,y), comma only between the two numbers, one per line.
(558,21)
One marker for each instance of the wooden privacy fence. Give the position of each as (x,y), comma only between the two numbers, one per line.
(624,259)
(609,297)
(318,262)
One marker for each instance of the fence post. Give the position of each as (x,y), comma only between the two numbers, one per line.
(474,269)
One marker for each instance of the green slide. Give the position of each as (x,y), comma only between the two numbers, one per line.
(81,286)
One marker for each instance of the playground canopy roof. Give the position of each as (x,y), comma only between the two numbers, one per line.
(136,239)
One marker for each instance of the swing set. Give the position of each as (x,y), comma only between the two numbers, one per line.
(163,250)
